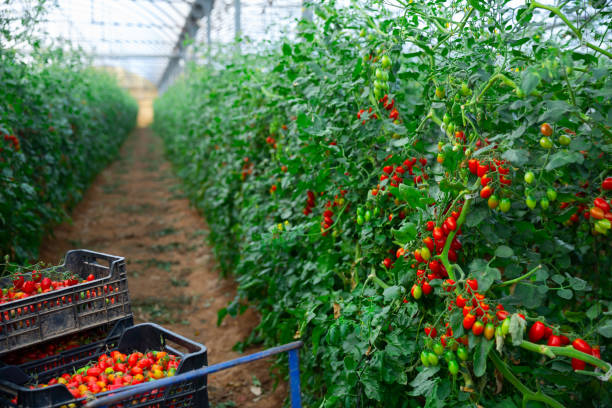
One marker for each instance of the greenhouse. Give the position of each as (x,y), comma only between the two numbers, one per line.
(300,203)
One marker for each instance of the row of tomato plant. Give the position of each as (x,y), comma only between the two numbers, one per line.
(61,122)
(420,192)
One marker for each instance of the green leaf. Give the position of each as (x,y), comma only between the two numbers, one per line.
(530,82)
(392,293)
(405,234)
(286,49)
(563,158)
(422,385)
(559,279)
(518,157)
(484,274)
(504,251)
(565,293)
(358,68)
(476,216)
(606,329)
(303,121)
(481,352)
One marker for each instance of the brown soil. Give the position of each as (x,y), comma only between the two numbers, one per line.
(135,209)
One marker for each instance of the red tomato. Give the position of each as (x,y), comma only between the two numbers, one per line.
(582,345)
(472,284)
(486,192)
(607,184)
(554,341)
(461,301)
(469,320)
(601,203)
(536,332)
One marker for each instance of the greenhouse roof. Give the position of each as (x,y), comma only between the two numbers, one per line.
(146,36)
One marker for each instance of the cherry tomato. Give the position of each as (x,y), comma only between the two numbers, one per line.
(544,203)
(546,143)
(416,292)
(595,212)
(601,203)
(505,204)
(493,202)
(432,358)
(468,321)
(438,349)
(551,194)
(554,341)
(607,184)
(529,177)
(536,332)
(582,345)
(489,331)
(462,353)
(564,139)
(453,367)
(546,129)
(473,284)
(424,358)
(486,192)
(531,202)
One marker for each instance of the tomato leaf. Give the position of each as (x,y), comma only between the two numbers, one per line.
(530,82)
(405,234)
(606,329)
(565,294)
(483,347)
(422,384)
(392,293)
(563,158)
(504,251)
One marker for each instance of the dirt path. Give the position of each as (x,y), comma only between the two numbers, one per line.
(136,209)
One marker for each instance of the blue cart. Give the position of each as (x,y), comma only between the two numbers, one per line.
(294,377)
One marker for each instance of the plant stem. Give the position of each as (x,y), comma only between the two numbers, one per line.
(520,278)
(577,33)
(377,280)
(461,25)
(527,393)
(449,239)
(568,351)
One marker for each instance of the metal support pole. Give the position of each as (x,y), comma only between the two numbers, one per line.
(294,378)
(306,11)
(237,18)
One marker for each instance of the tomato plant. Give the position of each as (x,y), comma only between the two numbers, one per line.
(458,211)
(61,122)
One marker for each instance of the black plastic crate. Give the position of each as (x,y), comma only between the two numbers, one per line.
(14,391)
(46,316)
(52,364)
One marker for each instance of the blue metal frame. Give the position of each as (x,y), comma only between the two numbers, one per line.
(294,376)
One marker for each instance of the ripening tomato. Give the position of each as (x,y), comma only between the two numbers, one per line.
(477,327)
(504,205)
(489,331)
(416,292)
(486,192)
(546,129)
(546,143)
(493,202)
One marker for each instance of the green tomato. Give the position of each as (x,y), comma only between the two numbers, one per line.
(504,204)
(446,119)
(378,84)
(376,211)
(367,216)
(551,194)
(465,90)
(359,220)
(425,253)
(546,143)
(440,92)
(432,358)
(438,349)
(529,177)
(359,210)
(424,358)
(453,367)
(385,61)
(601,230)
(451,129)
(449,356)
(505,327)
(604,224)
(377,93)
(544,203)
(565,140)
(362,33)
(531,202)
(379,74)
(462,353)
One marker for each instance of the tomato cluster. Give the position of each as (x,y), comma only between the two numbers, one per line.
(116,370)
(14,140)
(23,288)
(366,115)
(54,347)
(485,170)
(310,202)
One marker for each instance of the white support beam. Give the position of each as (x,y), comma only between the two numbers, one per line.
(199,9)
